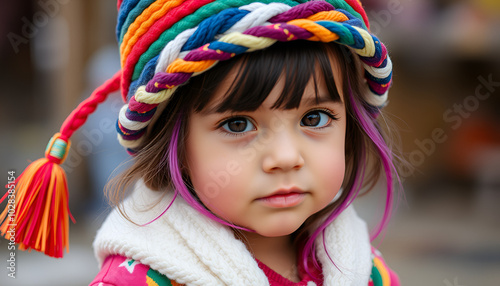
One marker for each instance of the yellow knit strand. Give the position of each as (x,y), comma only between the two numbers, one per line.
(143,96)
(328,16)
(180,65)
(251,42)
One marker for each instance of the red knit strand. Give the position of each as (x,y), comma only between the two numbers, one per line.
(78,117)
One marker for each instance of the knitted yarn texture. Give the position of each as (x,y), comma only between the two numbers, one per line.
(164,43)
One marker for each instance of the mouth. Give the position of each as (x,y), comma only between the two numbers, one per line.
(284,198)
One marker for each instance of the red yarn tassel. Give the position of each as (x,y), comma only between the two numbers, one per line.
(37,213)
(36,216)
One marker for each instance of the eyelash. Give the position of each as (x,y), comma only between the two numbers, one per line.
(327,111)
(226,120)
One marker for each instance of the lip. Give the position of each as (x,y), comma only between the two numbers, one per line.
(284,198)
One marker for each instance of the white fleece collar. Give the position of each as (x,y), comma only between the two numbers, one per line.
(194,250)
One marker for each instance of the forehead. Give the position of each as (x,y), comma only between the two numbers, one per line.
(288,81)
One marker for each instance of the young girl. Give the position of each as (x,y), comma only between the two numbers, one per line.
(253,128)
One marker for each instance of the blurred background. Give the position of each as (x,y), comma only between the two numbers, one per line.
(445,102)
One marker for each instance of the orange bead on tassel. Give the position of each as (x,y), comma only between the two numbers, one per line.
(39,219)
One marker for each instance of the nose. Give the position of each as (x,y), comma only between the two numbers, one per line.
(282,152)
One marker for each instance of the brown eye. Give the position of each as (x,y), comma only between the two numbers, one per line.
(316,118)
(238,125)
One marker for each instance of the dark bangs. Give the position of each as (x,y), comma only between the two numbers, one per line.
(258,72)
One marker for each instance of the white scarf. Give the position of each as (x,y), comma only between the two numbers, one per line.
(192,249)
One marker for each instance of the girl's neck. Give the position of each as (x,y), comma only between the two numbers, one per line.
(278,253)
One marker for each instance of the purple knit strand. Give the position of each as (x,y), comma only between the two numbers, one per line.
(279,34)
(302,11)
(163,78)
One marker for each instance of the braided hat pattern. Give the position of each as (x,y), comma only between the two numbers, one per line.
(164,43)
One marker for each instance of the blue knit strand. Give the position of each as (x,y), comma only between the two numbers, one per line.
(147,73)
(212,26)
(125,8)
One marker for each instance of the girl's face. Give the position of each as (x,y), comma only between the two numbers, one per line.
(268,170)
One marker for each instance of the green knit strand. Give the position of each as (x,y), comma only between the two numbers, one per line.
(345,35)
(158,278)
(341,4)
(376,277)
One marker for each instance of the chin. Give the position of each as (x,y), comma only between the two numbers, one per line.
(280,230)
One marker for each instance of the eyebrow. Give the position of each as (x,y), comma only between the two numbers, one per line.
(210,110)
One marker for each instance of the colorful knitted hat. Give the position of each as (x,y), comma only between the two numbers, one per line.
(163,43)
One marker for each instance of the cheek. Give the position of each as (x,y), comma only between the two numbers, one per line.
(206,169)
(208,179)
(332,170)
(329,166)
(216,181)
(212,170)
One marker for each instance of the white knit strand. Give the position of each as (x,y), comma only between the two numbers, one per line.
(261,13)
(172,50)
(380,72)
(129,124)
